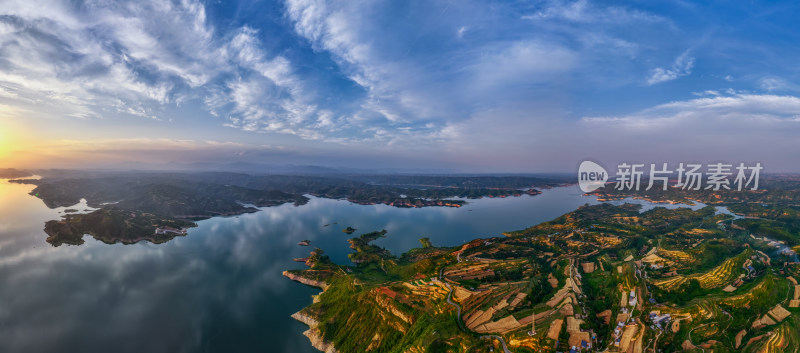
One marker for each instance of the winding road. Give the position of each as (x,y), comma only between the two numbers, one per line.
(502,342)
(690,334)
(458,313)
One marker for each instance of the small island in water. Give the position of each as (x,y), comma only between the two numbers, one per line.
(111,225)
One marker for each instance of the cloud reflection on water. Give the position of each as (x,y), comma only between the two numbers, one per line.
(218,288)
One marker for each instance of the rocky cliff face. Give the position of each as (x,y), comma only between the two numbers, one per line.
(306,319)
(317,342)
(313,333)
(306,281)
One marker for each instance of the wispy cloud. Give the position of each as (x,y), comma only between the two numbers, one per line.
(771,84)
(135,59)
(682,66)
(583,11)
(717,111)
(266,94)
(522,63)
(419,94)
(343,29)
(737,127)
(98,60)
(399,79)
(461,31)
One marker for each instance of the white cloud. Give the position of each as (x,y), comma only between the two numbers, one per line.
(523,62)
(460,32)
(85,61)
(682,66)
(609,41)
(583,11)
(341,29)
(425,81)
(739,127)
(267,95)
(400,92)
(404,91)
(135,58)
(722,112)
(773,84)
(706,93)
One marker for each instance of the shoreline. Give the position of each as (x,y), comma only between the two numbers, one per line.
(313,333)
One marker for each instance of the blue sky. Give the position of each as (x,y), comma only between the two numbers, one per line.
(469,86)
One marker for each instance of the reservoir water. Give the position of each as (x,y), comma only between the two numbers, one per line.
(218,289)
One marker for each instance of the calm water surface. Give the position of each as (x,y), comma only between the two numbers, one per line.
(220,287)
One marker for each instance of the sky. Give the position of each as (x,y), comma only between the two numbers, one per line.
(465,86)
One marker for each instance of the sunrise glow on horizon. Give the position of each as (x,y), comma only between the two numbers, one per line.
(465,86)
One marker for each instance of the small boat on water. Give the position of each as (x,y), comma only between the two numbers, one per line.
(304,243)
(300,259)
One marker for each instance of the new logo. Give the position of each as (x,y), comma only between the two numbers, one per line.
(591,176)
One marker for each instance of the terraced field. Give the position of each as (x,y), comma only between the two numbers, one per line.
(783,337)
(719,276)
(763,288)
(676,255)
(545,299)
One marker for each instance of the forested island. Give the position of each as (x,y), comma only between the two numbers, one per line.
(111,225)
